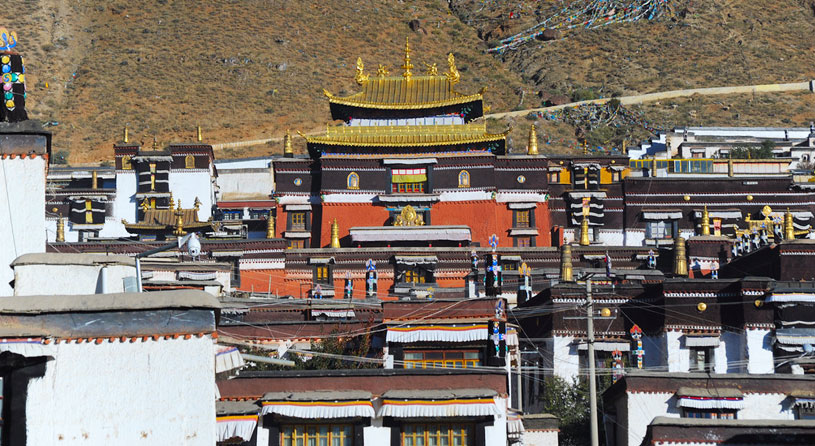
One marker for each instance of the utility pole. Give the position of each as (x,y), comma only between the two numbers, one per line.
(592,381)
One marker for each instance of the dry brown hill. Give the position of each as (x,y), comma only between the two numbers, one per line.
(250,69)
(244,69)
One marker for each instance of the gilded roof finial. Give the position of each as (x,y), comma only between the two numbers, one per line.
(432,69)
(532,145)
(179,221)
(566,270)
(360,77)
(585,240)
(287,148)
(680,260)
(125,135)
(60,229)
(382,71)
(789,227)
(270,225)
(705,222)
(452,73)
(335,234)
(94,180)
(407,66)
(155,142)
(145,205)
(200,136)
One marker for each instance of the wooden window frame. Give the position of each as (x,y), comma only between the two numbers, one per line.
(302,434)
(414,434)
(298,221)
(297,243)
(409,188)
(322,274)
(446,361)
(554,177)
(414,275)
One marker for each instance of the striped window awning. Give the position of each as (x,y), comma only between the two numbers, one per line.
(795,336)
(710,398)
(227,358)
(417,175)
(436,333)
(319,404)
(662,215)
(438,403)
(701,341)
(236,419)
(791,297)
(807,402)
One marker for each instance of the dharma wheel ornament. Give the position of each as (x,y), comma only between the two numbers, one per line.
(605,312)
(758,303)
(701,306)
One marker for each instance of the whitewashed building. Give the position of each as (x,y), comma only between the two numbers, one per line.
(735,402)
(109,369)
(24,152)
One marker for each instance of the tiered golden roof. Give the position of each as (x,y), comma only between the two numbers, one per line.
(404,135)
(407,91)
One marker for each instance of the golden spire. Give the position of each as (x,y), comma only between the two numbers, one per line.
(382,71)
(789,229)
(94,180)
(200,137)
(584,231)
(654,166)
(407,66)
(360,77)
(730,166)
(287,149)
(270,225)
(125,135)
(566,263)
(179,221)
(60,229)
(155,142)
(680,260)
(585,147)
(625,150)
(532,146)
(705,222)
(335,234)
(452,73)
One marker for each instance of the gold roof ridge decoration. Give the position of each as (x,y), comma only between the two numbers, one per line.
(408,90)
(402,135)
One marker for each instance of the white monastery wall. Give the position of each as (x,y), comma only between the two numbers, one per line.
(164,394)
(22,212)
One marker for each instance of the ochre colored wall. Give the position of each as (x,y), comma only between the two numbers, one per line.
(350,215)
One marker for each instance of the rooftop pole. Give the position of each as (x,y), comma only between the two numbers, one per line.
(592,380)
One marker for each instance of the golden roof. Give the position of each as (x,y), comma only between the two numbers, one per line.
(405,93)
(406,135)
(163,218)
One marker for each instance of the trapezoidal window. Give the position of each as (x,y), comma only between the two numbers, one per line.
(189,162)
(464,179)
(353,180)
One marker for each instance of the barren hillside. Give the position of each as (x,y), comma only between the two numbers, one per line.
(250,69)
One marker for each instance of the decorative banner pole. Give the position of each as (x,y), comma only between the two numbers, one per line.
(617,373)
(636,335)
(371,277)
(349,285)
